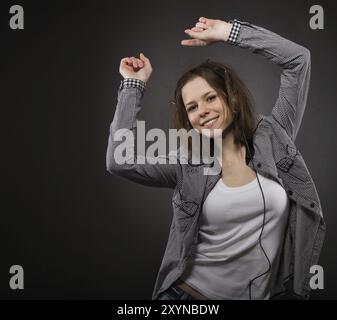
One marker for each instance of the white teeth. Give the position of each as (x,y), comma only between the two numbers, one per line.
(209,122)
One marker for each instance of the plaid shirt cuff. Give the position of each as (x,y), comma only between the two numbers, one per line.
(132,83)
(233,35)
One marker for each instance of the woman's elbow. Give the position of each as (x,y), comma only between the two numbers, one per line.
(122,168)
(110,168)
(306,55)
(113,167)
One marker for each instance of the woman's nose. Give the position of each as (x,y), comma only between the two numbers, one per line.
(203,111)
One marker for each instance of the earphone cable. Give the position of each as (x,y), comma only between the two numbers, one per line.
(264,218)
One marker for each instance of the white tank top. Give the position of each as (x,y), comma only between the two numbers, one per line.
(227,254)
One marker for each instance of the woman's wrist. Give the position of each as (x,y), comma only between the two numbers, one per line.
(132,83)
(227,31)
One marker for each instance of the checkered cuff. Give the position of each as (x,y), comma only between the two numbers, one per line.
(132,83)
(233,35)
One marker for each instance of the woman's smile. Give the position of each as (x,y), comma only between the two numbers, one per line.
(209,123)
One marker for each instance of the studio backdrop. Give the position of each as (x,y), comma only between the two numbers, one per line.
(74,230)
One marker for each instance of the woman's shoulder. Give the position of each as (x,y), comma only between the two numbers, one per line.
(274,129)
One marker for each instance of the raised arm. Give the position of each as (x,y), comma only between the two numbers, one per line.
(293,59)
(135,72)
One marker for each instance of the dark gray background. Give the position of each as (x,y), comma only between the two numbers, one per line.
(78,231)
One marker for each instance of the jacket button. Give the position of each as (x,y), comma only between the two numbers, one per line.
(290,192)
(259,165)
(312,205)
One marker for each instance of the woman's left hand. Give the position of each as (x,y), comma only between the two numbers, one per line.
(207,31)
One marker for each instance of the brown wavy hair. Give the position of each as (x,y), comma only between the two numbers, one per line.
(225,81)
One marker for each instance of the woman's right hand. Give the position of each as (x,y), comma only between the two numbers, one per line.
(132,67)
(207,31)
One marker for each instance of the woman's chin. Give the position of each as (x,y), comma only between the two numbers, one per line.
(211,133)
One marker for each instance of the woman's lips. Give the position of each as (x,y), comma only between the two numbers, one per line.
(209,124)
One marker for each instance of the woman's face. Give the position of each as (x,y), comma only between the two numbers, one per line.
(205,108)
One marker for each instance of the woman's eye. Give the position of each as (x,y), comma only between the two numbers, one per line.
(191,108)
(211,98)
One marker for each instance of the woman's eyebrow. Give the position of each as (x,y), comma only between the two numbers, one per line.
(205,94)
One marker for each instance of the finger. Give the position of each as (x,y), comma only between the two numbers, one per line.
(134,62)
(124,60)
(140,63)
(193,42)
(201,25)
(204,20)
(194,34)
(143,57)
(146,61)
(129,61)
(197,29)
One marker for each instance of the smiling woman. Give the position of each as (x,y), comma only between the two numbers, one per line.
(245,231)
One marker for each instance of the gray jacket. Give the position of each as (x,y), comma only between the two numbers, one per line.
(275,156)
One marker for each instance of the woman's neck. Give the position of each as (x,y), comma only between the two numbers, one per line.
(232,155)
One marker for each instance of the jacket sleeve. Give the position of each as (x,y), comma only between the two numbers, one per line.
(135,167)
(294,61)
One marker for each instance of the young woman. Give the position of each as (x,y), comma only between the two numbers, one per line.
(257,225)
